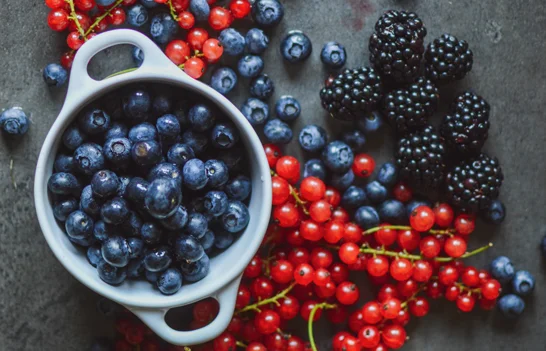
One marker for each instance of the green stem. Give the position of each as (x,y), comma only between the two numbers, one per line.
(405,227)
(412,297)
(464,288)
(299,201)
(101,17)
(174,14)
(239,343)
(74,18)
(274,299)
(384,252)
(318,306)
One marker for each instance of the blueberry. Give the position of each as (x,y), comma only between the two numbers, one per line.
(232,41)
(79,225)
(64,184)
(413,204)
(137,15)
(223,80)
(135,268)
(110,274)
(236,217)
(137,104)
(105,2)
(89,158)
(195,271)
(55,75)
(343,180)
(250,66)
(217,173)
(370,123)
(296,47)
(149,3)
(333,54)
(64,163)
(168,126)
(200,9)
(14,121)
(163,28)
(277,132)
(64,207)
(313,138)
(118,152)
(392,211)
(131,226)
(314,168)
(179,154)
(338,156)
(215,203)
(163,197)
(197,204)
(115,251)
(267,13)
(151,276)
(151,233)
(523,283)
(85,242)
(354,197)
(170,281)
(187,248)
(117,130)
(511,306)
(366,217)
(123,182)
(146,153)
(115,211)
(136,191)
(234,158)
(143,132)
(158,259)
(388,174)
(197,141)
(207,241)
(103,231)
(166,170)
(177,220)
(287,108)
(112,104)
(256,41)
(94,255)
(162,103)
(224,135)
(376,192)
(543,246)
(502,269)
(89,203)
(238,188)
(223,240)
(93,121)
(355,139)
(136,247)
(201,117)
(194,174)
(138,56)
(73,137)
(104,184)
(256,111)
(496,213)
(262,87)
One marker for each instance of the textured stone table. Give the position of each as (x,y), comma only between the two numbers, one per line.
(44,308)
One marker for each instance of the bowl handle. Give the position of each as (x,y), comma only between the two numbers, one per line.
(155,319)
(154,59)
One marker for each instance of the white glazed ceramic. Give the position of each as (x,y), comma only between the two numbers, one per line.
(226,269)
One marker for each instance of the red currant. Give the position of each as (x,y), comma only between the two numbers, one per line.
(333,232)
(293,237)
(205,310)
(220,18)
(483,275)
(298,255)
(74,40)
(337,315)
(58,20)
(286,215)
(486,304)
(464,224)
(280,190)
(403,318)
(448,275)
(369,336)
(356,321)
(84,5)
(419,307)
(254,268)
(55,4)
(256,346)
(267,321)
(289,308)
(326,291)
(321,258)
(434,289)
(288,167)
(180,5)
(393,336)
(347,293)
(243,297)
(422,218)
(363,165)
(273,153)
(402,192)
(466,302)
(387,291)
(422,271)
(134,335)
(372,312)
(239,8)
(213,50)
(282,271)
(470,277)
(352,233)
(122,345)
(249,332)
(455,246)
(311,230)
(385,236)
(261,288)
(401,269)
(196,38)
(339,272)
(225,342)
(348,253)
(490,289)
(408,239)
(320,211)
(340,214)
(407,288)
(443,215)
(194,67)
(452,293)
(430,247)
(332,195)
(186,20)
(84,21)
(378,266)
(304,274)
(390,308)
(132,2)
(338,340)
(306,308)
(295,344)
(66,59)
(117,16)
(101,26)
(312,189)
(351,343)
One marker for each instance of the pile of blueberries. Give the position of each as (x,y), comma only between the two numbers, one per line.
(151,186)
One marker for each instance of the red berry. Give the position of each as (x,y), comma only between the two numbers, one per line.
(390,308)
(372,312)
(161,1)
(267,321)
(243,297)
(347,293)
(434,289)
(213,50)
(288,167)
(273,153)
(422,271)
(363,165)
(66,59)
(132,2)
(58,20)
(298,255)
(387,291)
(312,189)
(194,67)
(385,236)
(321,258)
(378,266)
(483,275)
(280,189)
(402,192)
(408,239)
(186,20)
(486,304)
(197,37)
(249,332)
(333,232)
(401,269)
(464,224)
(351,343)
(361,263)
(295,344)
(407,288)
(403,318)
(180,5)
(293,237)
(448,275)
(225,342)
(289,308)
(256,346)
(491,289)
(134,335)
(239,8)
(393,336)
(443,215)
(466,302)
(74,40)
(261,288)
(326,291)
(341,215)
(306,308)
(220,18)
(254,268)
(422,218)
(117,16)
(338,314)
(101,26)
(55,4)
(455,246)
(311,230)
(282,271)
(275,342)
(430,247)
(320,211)
(470,277)
(452,293)
(304,274)
(369,336)
(332,195)
(339,272)
(286,215)
(356,321)
(84,21)
(122,345)
(348,253)
(205,310)
(419,307)
(352,233)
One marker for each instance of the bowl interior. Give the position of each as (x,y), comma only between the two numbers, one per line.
(225,266)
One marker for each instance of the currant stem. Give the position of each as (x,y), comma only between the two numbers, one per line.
(274,299)
(464,288)
(318,306)
(299,201)
(174,14)
(412,297)
(239,343)
(384,252)
(405,227)
(101,17)
(74,18)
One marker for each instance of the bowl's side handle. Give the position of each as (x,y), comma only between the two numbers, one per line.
(155,319)
(154,58)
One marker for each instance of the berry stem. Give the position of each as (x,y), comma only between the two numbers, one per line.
(384,252)
(239,343)
(318,306)
(406,227)
(174,14)
(12,174)
(74,18)
(464,288)
(101,17)
(412,297)
(274,299)
(299,201)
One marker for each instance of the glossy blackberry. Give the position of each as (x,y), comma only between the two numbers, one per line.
(473,184)
(352,93)
(465,128)
(409,109)
(420,159)
(447,59)
(397,45)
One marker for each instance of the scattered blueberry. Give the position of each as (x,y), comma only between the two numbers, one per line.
(115,211)
(79,225)
(355,139)
(277,132)
(338,156)
(163,28)
(256,111)
(179,154)
(238,188)
(376,192)
(511,306)
(200,9)
(110,274)
(342,181)
(115,251)
(94,255)
(64,207)
(354,197)
(89,158)
(143,132)
(315,168)
(137,15)
(366,217)
(236,217)
(267,13)
(250,66)
(137,104)
(88,203)
(105,183)
(170,281)
(14,121)
(232,41)
(217,173)
(201,117)
(313,138)
(523,283)
(223,80)
(333,54)
(146,153)
(64,184)
(158,259)
(256,41)
(262,87)
(370,123)
(502,269)
(392,211)
(73,137)
(195,271)
(388,174)
(224,135)
(162,197)
(138,56)
(55,75)
(287,108)
(496,213)
(194,174)
(197,141)
(296,47)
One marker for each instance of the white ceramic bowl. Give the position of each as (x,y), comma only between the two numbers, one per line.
(138,296)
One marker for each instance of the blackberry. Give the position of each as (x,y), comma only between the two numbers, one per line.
(447,58)
(352,93)
(420,159)
(397,45)
(473,184)
(409,109)
(465,128)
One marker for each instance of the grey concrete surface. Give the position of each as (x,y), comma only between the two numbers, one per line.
(43,308)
